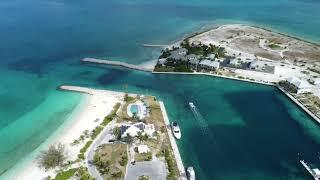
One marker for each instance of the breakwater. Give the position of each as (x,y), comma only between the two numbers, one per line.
(116,63)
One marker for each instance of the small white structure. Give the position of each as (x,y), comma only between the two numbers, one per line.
(316,81)
(162,61)
(301,85)
(209,65)
(192,57)
(134,129)
(260,65)
(143,149)
(211,56)
(316,172)
(235,62)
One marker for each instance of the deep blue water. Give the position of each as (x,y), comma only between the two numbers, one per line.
(42,42)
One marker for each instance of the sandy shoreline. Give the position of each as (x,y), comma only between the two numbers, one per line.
(89,114)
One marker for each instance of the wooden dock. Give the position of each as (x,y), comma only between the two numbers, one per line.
(116,63)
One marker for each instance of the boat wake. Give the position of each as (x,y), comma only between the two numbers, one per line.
(202,122)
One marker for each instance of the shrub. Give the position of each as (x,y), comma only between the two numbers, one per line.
(85,147)
(96,132)
(124,160)
(117,174)
(55,156)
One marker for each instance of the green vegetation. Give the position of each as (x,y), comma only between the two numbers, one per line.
(288,86)
(124,160)
(112,115)
(128,98)
(144,177)
(314,70)
(111,160)
(160,68)
(86,146)
(95,132)
(274,46)
(54,157)
(204,50)
(172,168)
(117,132)
(143,157)
(64,175)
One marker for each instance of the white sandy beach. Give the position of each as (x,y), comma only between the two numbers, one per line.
(96,106)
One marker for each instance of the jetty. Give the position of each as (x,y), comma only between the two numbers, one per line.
(313,172)
(155,45)
(174,145)
(117,63)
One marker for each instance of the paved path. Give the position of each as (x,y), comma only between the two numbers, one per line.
(103,138)
(176,152)
(155,169)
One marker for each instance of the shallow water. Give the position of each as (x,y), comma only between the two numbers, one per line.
(42,42)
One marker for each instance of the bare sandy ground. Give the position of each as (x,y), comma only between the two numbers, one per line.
(249,42)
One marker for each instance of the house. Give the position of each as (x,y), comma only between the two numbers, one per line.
(316,81)
(134,129)
(180,51)
(212,56)
(191,57)
(143,149)
(177,57)
(194,63)
(235,62)
(162,61)
(209,65)
(301,85)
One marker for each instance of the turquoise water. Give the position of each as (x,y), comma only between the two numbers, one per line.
(134,109)
(258,131)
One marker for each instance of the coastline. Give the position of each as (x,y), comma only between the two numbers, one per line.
(84,117)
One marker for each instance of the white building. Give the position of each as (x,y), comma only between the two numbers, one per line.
(301,85)
(134,129)
(143,149)
(235,62)
(316,81)
(209,65)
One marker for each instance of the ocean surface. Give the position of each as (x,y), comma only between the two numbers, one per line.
(247,131)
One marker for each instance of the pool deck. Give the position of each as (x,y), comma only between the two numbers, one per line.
(173,142)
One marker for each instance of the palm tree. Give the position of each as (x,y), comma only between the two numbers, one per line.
(117,133)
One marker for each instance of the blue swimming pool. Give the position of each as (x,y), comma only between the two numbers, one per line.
(134,109)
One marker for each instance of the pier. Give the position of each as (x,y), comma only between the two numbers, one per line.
(116,63)
(311,172)
(175,148)
(154,45)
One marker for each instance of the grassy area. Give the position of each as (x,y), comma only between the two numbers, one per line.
(66,174)
(85,147)
(161,68)
(275,46)
(81,173)
(123,115)
(111,160)
(143,157)
(111,116)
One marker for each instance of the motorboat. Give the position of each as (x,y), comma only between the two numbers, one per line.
(191,105)
(176,130)
(191,175)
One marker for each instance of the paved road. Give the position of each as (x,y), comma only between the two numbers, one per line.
(155,169)
(103,138)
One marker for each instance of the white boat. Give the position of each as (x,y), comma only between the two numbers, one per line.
(191,175)
(176,130)
(191,105)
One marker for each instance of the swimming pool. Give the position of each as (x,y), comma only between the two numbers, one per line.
(134,109)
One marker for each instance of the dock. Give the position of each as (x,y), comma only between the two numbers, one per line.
(174,145)
(117,63)
(311,172)
(155,45)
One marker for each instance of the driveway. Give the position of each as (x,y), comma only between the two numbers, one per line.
(155,169)
(103,138)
